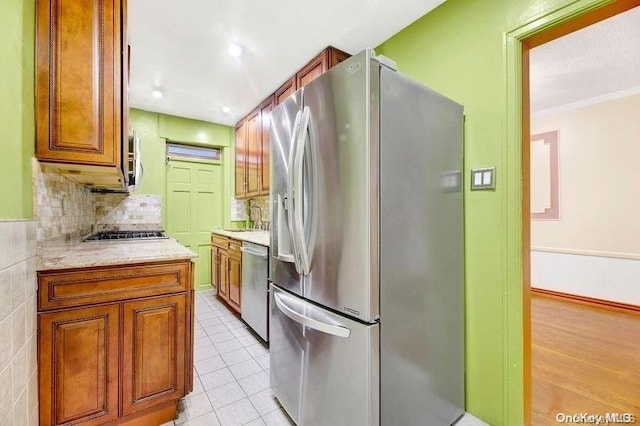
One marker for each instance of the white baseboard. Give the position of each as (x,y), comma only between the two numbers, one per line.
(606,278)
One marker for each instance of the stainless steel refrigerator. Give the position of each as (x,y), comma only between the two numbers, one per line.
(366,259)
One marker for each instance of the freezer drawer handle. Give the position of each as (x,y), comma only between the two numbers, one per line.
(335,330)
(253,253)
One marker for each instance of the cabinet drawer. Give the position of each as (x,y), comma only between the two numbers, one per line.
(88,286)
(234,249)
(219,241)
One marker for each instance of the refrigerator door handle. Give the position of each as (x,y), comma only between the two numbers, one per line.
(290,191)
(334,330)
(298,230)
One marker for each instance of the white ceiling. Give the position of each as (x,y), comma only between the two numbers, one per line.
(598,60)
(181,47)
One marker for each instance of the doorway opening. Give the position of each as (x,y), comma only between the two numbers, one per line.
(581,256)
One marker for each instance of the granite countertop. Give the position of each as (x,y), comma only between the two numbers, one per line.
(252,236)
(76,254)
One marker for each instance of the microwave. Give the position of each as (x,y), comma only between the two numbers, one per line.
(131,163)
(130,167)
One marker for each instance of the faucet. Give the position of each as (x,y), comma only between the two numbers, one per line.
(260,217)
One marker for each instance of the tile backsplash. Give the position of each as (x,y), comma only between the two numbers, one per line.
(18,347)
(263,203)
(64,209)
(128,212)
(68,211)
(238,210)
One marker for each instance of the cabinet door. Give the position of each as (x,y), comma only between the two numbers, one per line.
(241,171)
(265,118)
(215,266)
(312,70)
(223,288)
(153,365)
(235,281)
(79,81)
(254,133)
(286,90)
(78,365)
(336,56)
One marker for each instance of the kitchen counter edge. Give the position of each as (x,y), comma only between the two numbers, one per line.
(75,254)
(255,237)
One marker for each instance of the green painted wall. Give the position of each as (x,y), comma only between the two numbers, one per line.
(153,128)
(17,127)
(462,50)
(186,130)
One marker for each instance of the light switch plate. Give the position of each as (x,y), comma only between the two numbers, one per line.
(483,179)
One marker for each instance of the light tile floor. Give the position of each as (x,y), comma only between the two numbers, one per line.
(231,377)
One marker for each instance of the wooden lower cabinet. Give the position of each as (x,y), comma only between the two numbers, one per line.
(215,267)
(228,270)
(223,288)
(78,358)
(153,352)
(127,361)
(234,270)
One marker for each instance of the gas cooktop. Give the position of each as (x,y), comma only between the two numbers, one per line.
(126,235)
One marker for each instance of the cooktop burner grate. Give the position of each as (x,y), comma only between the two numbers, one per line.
(126,235)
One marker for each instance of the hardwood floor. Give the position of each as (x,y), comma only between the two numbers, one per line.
(584,359)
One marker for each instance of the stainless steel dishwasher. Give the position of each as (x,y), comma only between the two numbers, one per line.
(255,295)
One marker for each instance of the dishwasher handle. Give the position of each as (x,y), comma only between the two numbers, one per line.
(253,253)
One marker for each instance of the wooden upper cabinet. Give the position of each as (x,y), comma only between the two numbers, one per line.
(253,133)
(252,152)
(265,119)
(240,166)
(77,358)
(254,136)
(336,56)
(325,60)
(312,70)
(286,90)
(81,80)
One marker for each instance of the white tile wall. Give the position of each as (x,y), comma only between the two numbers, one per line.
(18,341)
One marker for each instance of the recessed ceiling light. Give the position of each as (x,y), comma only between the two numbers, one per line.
(157,94)
(226,109)
(235,50)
